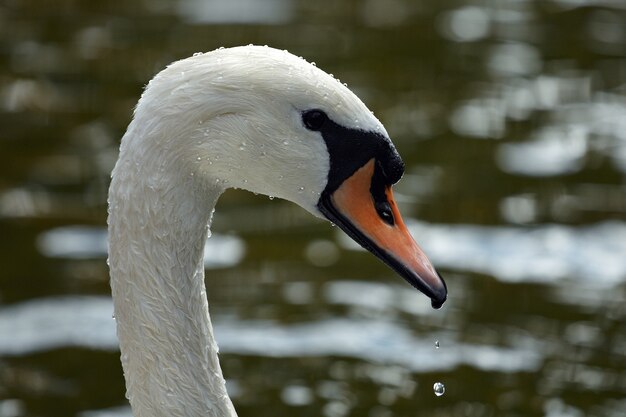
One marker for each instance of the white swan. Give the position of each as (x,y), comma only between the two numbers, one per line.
(249,117)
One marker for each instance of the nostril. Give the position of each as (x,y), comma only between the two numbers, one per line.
(383,208)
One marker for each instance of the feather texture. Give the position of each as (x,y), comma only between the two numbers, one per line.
(227,118)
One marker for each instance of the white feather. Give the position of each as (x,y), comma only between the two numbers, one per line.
(227,118)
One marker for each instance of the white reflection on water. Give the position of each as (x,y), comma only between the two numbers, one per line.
(554,151)
(514,59)
(236,11)
(560,147)
(465,24)
(85,242)
(480,118)
(49,323)
(377,297)
(593,254)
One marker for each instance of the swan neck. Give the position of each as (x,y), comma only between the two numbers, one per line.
(158,225)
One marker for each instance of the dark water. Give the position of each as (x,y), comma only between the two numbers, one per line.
(511,117)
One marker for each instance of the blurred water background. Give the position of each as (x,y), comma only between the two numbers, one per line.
(511,117)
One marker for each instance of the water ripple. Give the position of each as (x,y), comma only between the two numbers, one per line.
(85,242)
(49,323)
(594,254)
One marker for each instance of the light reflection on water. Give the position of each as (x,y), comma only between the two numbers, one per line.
(45,324)
(547,253)
(82,242)
(235,11)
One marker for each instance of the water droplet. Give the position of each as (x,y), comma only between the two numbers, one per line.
(198,159)
(313,63)
(300,189)
(436,344)
(439,389)
(113,316)
(271,197)
(285,142)
(245,181)
(220,48)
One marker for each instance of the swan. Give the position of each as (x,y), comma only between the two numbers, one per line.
(248,117)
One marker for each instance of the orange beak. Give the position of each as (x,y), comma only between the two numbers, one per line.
(377,225)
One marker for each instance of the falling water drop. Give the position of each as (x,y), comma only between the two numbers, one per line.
(436,344)
(439,389)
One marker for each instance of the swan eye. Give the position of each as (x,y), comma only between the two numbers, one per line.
(314,119)
(384,211)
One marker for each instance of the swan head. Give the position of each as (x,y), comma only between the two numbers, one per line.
(267,121)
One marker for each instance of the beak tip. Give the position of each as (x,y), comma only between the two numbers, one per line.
(439,297)
(437,303)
